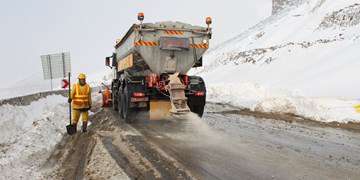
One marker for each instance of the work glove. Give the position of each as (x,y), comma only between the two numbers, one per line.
(69,100)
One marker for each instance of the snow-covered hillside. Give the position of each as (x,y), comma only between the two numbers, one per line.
(302,52)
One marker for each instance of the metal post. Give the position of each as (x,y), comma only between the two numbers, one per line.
(63,62)
(49,61)
(69,74)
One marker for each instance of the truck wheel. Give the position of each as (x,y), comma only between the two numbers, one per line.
(126,106)
(114,102)
(120,108)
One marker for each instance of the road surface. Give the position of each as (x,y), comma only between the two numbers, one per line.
(218,146)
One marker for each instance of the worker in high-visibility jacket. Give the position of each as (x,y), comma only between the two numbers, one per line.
(80,98)
(106,96)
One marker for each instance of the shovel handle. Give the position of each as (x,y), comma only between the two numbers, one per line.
(69,74)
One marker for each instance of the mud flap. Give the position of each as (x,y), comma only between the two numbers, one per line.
(159,109)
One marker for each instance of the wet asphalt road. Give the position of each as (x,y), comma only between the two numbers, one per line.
(231,146)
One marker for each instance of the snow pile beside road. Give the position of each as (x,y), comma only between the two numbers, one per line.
(303,60)
(29,134)
(258,98)
(307,49)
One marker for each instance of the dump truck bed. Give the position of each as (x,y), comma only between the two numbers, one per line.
(165,47)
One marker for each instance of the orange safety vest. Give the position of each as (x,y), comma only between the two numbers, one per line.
(81,96)
(106,97)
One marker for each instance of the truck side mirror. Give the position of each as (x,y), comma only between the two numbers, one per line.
(114,62)
(107,61)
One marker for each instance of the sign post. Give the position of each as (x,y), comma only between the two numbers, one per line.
(71,129)
(69,74)
(55,66)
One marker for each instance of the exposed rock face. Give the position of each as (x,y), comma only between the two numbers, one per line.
(346,17)
(279,5)
(269,54)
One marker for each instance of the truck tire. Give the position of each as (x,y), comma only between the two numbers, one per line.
(114,101)
(126,110)
(120,110)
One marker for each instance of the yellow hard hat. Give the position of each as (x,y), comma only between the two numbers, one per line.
(82,76)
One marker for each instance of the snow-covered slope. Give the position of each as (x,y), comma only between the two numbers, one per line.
(306,51)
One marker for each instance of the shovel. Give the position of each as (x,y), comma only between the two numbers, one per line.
(71,129)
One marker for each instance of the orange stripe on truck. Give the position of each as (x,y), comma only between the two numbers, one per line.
(174,32)
(199,46)
(146,43)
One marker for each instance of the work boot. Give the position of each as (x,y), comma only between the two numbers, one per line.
(84,127)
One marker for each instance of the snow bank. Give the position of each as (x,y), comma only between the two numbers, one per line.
(303,60)
(29,134)
(294,51)
(258,98)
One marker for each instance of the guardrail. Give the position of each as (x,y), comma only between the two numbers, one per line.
(27,99)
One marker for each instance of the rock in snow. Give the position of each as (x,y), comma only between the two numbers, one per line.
(279,5)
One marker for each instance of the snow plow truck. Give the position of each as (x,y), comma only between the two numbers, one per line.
(150,66)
